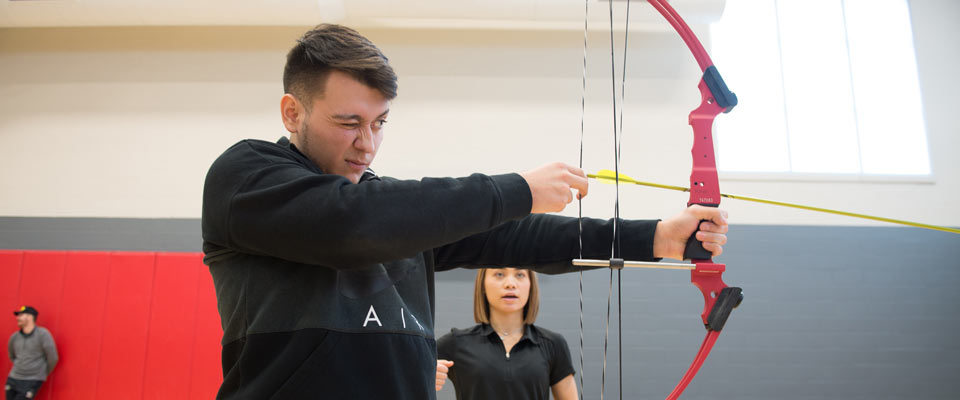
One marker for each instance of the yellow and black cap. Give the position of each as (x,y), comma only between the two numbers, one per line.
(27,310)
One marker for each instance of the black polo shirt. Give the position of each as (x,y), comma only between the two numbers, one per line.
(483,370)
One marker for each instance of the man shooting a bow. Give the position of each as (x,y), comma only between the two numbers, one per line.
(324,271)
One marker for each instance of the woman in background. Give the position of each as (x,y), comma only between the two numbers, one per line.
(505,356)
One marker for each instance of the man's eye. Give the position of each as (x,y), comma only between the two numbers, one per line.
(381,122)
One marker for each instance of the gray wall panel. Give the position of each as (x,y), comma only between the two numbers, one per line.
(830,312)
(131,234)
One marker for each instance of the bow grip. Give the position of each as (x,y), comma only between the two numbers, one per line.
(694,249)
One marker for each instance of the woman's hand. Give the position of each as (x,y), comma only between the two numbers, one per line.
(443,366)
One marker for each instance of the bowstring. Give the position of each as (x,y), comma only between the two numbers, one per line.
(583,97)
(617,233)
(623,91)
(615,242)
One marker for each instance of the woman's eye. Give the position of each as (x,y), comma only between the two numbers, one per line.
(381,122)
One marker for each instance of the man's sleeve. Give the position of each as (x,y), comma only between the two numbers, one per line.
(282,209)
(548,244)
(50,352)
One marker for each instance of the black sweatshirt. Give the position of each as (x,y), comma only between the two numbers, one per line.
(325,288)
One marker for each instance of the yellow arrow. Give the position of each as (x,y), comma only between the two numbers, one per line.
(608,176)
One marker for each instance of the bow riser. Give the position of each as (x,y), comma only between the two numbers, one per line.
(708,277)
(704,182)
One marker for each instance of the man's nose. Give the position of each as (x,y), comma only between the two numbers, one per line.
(364,140)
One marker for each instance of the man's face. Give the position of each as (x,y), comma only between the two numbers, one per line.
(23,319)
(343,128)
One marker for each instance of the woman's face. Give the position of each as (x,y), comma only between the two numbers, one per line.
(508,289)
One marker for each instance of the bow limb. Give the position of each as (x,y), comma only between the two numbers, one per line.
(708,342)
(685,32)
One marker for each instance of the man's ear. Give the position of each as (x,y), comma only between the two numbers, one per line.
(291,112)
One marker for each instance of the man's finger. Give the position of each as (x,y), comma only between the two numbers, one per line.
(707,226)
(580,183)
(716,215)
(717,238)
(713,248)
(576,171)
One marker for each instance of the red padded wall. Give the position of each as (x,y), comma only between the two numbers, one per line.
(80,330)
(170,337)
(41,286)
(10,264)
(127,325)
(206,368)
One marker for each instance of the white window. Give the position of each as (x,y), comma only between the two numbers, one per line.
(825,87)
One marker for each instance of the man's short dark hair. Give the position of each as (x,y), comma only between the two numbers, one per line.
(328,48)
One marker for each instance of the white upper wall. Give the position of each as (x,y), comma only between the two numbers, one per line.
(124,121)
(457,14)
